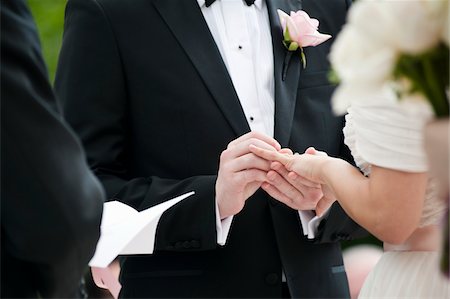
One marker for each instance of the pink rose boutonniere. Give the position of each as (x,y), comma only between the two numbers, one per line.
(299,31)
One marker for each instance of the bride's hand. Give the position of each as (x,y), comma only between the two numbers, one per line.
(304,169)
(328,197)
(308,165)
(299,194)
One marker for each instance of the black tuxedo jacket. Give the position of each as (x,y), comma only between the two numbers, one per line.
(51,203)
(146,89)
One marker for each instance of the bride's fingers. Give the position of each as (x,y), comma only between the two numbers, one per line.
(271,155)
(287,151)
(310,150)
(301,180)
(293,177)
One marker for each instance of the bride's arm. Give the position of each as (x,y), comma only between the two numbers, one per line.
(388,204)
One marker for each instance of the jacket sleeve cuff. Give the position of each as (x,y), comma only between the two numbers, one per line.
(310,222)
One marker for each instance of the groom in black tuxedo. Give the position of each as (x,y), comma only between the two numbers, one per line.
(159,109)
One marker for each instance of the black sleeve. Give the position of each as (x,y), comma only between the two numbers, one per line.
(338,225)
(51,203)
(91,82)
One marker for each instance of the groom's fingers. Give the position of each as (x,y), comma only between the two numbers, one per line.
(255,135)
(278,167)
(252,175)
(242,148)
(275,193)
(271,155)
(301,194)
(284,186)
(248,161)
(303,198)
(296,180)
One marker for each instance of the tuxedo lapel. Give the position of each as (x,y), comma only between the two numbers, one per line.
(185,20)
(285,88)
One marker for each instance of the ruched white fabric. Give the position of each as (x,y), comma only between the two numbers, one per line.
(382,131)
(386,132)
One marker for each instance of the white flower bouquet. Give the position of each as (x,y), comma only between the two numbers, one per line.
(402,44)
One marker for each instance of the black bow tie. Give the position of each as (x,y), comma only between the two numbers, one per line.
(209,2)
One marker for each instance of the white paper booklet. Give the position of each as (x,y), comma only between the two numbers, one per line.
(127,231)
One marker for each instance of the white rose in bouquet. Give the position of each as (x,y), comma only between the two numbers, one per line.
(357,57)
(406,26)
(348,93)
(399,44)
(446,26)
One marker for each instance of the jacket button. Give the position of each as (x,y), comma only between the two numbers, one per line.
(334,237)
(195,244)
(272,279)
(344,236)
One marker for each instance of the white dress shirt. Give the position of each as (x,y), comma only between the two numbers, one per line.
(243,35)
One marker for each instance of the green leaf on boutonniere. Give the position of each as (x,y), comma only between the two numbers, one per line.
(293,47)
(303,57)
(286,36)
(288,43)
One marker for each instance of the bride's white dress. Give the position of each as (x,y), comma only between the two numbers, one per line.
(384,132)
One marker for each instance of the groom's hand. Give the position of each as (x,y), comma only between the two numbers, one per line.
(241,172)
(290,188)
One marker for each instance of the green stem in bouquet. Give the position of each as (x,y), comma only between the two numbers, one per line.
(437,81)
(428,74)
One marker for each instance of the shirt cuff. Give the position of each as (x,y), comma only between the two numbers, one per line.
(222,227)
(310,222)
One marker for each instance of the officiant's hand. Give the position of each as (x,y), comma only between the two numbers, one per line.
(290,188)
(241,172)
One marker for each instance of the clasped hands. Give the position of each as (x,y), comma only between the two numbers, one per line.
(255,161)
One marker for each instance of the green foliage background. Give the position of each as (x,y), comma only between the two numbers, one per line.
(49,17)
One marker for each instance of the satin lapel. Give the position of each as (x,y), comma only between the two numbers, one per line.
(185,20)
(285,90)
